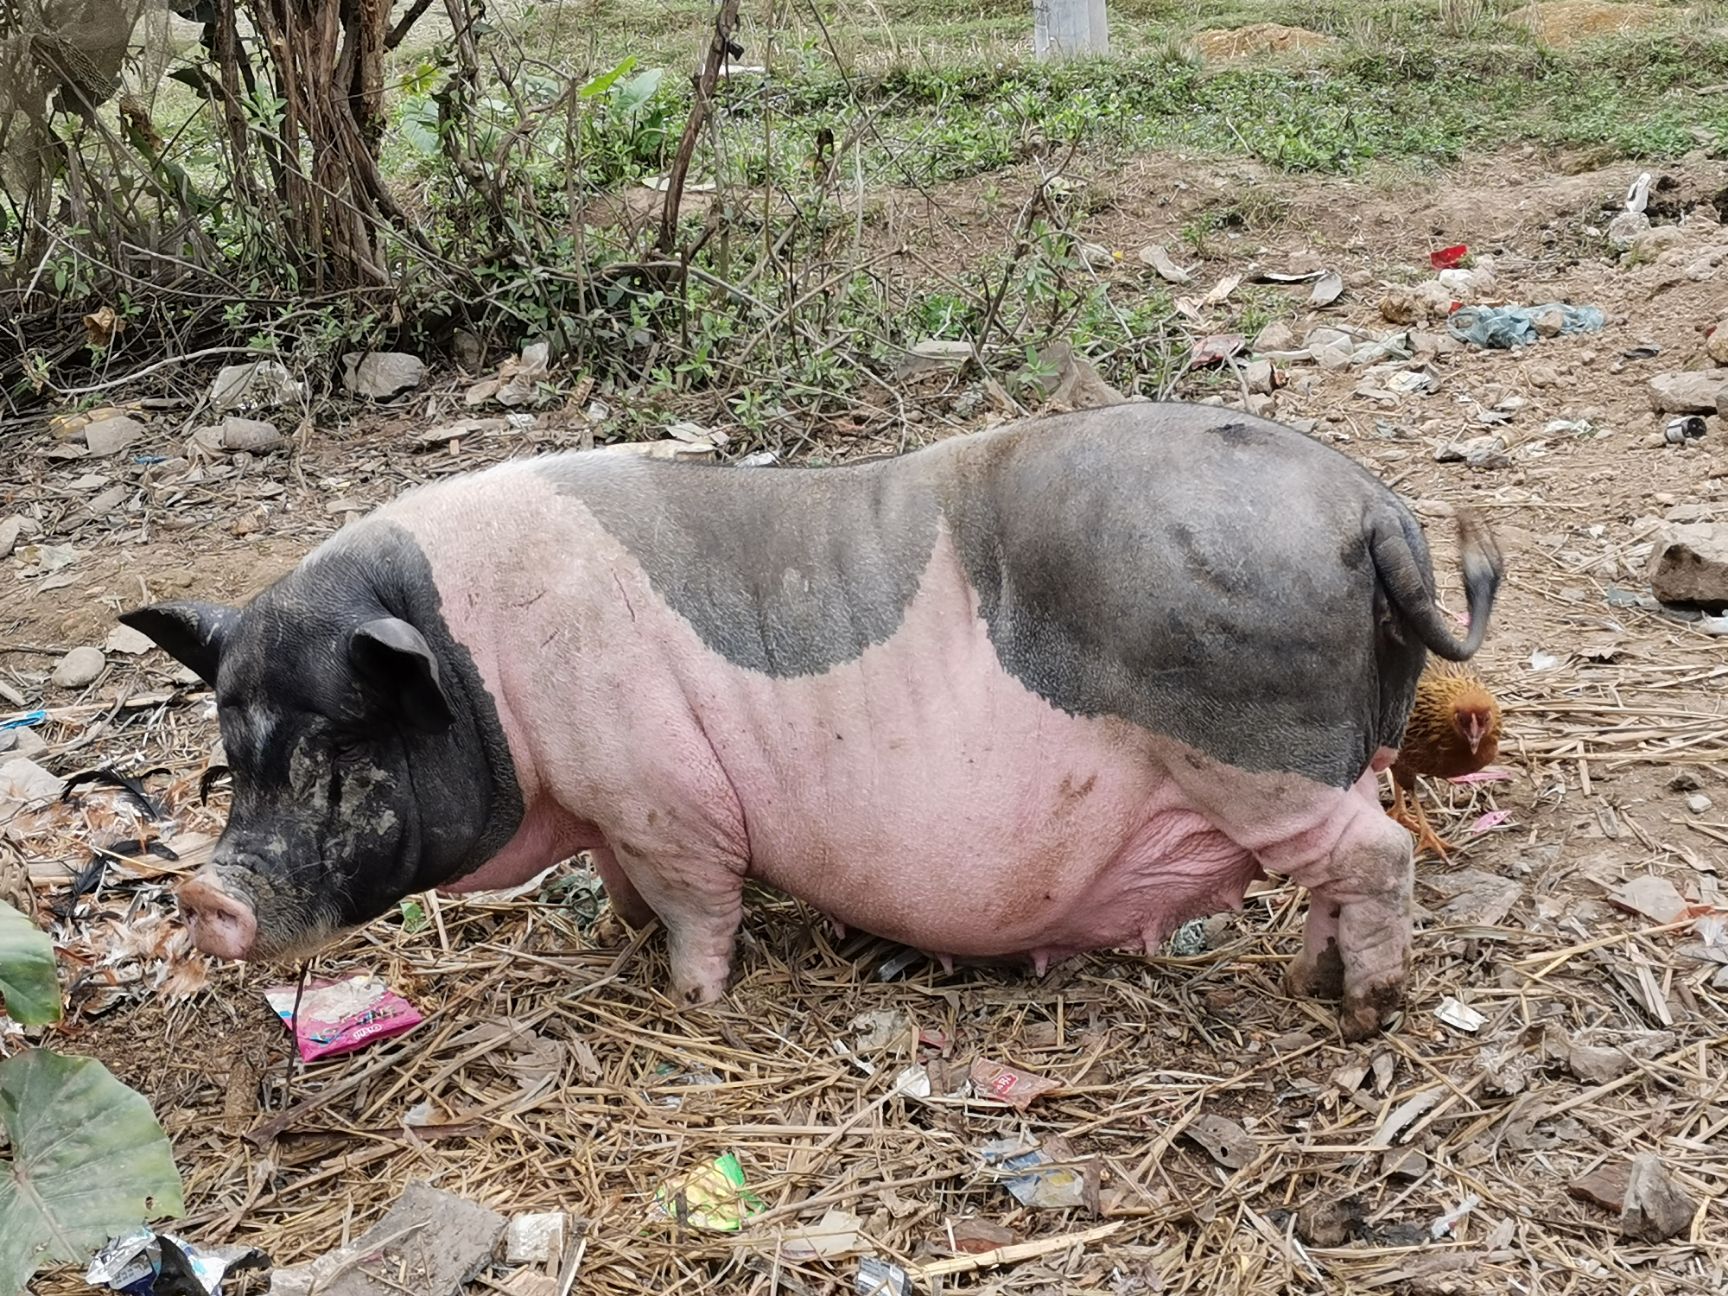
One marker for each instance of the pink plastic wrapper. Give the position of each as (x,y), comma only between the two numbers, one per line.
(341,1016)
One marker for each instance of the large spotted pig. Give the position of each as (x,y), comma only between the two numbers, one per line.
(1049,688)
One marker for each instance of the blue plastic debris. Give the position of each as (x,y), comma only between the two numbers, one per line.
(1514,326)
(24,721)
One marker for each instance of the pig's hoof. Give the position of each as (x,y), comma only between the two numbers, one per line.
(1362,1016)
(694,991)
(1316,976)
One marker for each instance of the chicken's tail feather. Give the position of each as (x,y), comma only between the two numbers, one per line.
(1394,553)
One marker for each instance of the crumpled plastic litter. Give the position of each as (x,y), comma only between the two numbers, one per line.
(1514,326)
(144,1261)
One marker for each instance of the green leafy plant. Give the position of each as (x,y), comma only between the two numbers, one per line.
(84,1159)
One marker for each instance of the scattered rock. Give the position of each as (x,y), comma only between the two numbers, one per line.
(1605,1185)
(110,436)
(1276,336)
(107,501)
(1403,1163)
(669,448)
(124,639)
(1260,376)
(1656,1208)
(79,667)
(23,781)
(1627,228)
(975,1236)
(1328,288)
(430,1242)
(1070,382)
(1653,241)
(10,529)
(29,743)
(263,384)
(1689,563)
(1716,347)
(381,374)
(1477,452)
(1650,896)
(234,435)
(1595,1065)
(1699,804)
(1257,40)
(1423,304)
(1330,1223)
(1425,344)
(1699,391)
(933,353)
(466,346)
(1550,323)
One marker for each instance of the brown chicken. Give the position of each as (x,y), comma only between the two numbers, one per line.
(1454,729)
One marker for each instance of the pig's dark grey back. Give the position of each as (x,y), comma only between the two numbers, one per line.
(1199,572)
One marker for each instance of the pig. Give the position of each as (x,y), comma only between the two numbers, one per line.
(1044,689)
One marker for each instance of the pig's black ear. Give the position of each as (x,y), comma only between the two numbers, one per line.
(394,664)
(191,633)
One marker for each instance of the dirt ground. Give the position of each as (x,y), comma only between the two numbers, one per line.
(1437,1159)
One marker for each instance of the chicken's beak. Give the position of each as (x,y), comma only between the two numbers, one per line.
(1474,732)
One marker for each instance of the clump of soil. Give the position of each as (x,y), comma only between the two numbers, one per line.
(1257,40)
(1564,23)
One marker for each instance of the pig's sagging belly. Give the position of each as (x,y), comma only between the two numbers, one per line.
(921,793)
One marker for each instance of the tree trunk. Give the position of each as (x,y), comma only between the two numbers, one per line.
(327,63)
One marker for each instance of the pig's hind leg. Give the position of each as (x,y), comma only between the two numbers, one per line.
(1356,941)
(701,903)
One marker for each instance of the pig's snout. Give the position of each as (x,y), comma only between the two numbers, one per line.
(221,922)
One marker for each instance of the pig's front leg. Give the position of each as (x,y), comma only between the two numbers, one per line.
(1356,941)
(621,894)
(701,902)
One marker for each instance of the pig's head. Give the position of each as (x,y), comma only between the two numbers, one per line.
(366,755)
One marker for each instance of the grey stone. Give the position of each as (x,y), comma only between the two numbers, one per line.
(430,1242)
(259,385)
(79,667)
(124,639)
(1625,229)
(381,374)
(1699,391)
(10,529)
(1689,563)
(233,435)
(24,782)
(110,436)
(1656,1207)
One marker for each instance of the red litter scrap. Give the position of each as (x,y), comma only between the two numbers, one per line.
(1446,258)
(342,1016)
(1009,1084)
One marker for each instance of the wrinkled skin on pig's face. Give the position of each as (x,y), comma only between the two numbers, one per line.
(367,762)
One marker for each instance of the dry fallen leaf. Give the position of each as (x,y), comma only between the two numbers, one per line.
(1225,1141)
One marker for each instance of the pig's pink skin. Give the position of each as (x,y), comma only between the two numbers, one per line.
(918,792)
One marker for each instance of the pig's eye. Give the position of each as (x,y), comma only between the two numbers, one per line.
(347,746)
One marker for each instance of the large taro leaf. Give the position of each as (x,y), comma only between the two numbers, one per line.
(28,983)
(87,1161)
